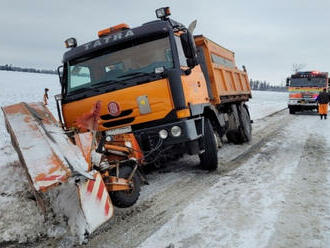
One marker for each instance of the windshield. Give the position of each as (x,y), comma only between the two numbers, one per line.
(308,82)
(120,65)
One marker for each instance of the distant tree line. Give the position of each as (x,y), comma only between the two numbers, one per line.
(16,68)
(263,85)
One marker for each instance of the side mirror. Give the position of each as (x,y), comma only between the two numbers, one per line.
(60,73)
(329,82)
(189,49)
(288,82)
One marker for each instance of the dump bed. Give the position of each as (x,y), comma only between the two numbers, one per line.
(228,83)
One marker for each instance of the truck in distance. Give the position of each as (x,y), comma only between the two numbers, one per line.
(304,88)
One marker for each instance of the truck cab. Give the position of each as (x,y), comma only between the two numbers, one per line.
(152,81)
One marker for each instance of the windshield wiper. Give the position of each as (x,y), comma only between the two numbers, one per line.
(82,90)
(139,73)
(105,82)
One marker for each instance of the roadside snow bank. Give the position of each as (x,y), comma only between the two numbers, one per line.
(20,218)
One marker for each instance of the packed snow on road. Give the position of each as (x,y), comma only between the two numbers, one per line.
(272,192)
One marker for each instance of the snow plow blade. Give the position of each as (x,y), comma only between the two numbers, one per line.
(50,158)
(47,154)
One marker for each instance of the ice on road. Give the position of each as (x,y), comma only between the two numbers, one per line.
(280,197)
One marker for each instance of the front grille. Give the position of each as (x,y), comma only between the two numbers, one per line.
(119,122)
(109,117)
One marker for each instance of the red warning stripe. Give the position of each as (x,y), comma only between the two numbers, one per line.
(90,185)
(100,191)
(42,177)
(107,206)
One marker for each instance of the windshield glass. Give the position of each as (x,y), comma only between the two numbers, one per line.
(308,82)
(120,65)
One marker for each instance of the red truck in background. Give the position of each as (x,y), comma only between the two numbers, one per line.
(304,88)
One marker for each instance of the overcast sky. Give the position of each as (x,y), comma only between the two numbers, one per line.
(267,36)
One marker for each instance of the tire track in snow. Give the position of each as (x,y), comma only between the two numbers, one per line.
(242,208)
(177,196)
(301,221)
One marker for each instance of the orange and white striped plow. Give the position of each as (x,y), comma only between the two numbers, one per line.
(45,151)
(51,160)
(95,202)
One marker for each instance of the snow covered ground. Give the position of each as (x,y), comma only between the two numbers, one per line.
(16,205)
(276,197)
(266,102)
(280,197)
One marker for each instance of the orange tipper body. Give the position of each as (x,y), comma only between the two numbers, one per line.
(228,83)
(304,88)
(157,81)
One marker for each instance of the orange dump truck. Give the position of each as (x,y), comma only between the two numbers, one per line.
(177,93)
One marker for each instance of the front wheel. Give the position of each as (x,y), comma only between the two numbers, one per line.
(209,158)
(126,198)
(292,111)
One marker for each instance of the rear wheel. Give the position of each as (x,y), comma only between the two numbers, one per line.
(244,131)
(209,158)
(126,198)
(245,127)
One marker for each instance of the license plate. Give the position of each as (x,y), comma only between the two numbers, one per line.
(121,130)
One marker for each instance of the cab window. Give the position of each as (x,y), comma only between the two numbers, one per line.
(79,76)
(182,57)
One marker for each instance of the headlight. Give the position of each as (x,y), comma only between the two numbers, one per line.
(128,144)
(163,12)
(71,42)
(163,134)
(176,131)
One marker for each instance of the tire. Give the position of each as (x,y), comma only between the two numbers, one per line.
(245,125)
(126,198)
(244,132)
(292,111)
(209,158)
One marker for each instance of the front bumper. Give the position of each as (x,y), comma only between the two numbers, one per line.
(191,129)
(302,102)
(303,105)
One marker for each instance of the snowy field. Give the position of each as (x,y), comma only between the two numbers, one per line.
(212,216)
(266,102)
